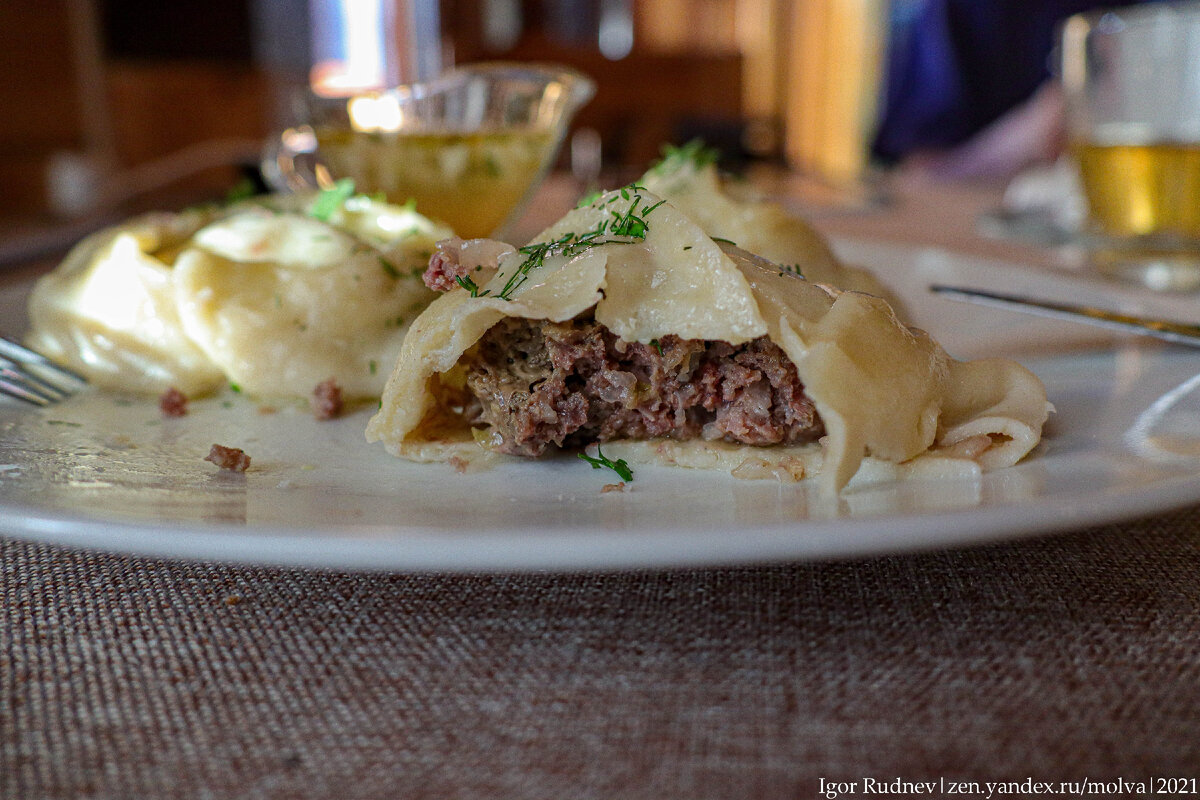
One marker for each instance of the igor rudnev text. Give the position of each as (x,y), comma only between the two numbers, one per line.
(945,787)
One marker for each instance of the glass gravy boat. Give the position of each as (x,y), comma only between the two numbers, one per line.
(469,147)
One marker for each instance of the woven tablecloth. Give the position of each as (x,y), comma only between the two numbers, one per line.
(1055,659)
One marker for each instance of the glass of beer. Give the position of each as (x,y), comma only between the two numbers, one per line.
(467,148)
(1131,79)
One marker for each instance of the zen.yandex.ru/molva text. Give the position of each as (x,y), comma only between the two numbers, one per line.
(944,787)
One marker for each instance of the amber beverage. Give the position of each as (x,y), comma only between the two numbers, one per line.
(1142,189)
(470,181)
(1131,81)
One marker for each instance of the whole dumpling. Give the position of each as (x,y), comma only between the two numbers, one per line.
(108,310)
(281,301)
(274,295)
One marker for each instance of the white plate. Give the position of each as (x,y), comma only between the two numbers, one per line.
(106,472)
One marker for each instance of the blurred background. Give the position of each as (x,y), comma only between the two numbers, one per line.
(173,96)
(115,106)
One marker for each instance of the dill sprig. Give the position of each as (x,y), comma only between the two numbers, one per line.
(600,460)
(621,227)
(792,269)
(471,286)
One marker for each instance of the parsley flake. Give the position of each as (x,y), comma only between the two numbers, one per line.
(331,199)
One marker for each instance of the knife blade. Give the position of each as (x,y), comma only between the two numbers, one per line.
(1167,330)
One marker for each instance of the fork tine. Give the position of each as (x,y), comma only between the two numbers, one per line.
(15,374)
(23,355)
(22,391)
(29,376)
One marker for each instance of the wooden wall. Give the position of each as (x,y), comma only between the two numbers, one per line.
(39,109)
(797,74)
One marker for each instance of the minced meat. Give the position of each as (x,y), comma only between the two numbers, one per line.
(536,383)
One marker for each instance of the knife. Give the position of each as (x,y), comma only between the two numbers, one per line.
(1167,330)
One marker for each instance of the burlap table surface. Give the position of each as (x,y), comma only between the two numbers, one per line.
(1057,658)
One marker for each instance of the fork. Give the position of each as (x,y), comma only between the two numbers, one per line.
(31,377)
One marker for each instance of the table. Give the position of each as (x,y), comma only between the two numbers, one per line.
(1059,659)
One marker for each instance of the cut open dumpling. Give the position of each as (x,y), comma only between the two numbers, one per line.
(625,323)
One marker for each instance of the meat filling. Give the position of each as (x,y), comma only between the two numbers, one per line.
(538,383)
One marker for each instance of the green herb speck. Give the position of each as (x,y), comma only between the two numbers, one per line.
(619,466)
(331,199)
(389,268)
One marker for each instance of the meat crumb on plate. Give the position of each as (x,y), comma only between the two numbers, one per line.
(173,403)
(231,458)
(326,400)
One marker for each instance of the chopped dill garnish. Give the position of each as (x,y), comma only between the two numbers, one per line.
(792,269)
(726,241)
(657,345)
(372,367)
(389,268)
(331,199)
(695,152)
(471,286)
(619,466)
(233,387)
(623,228)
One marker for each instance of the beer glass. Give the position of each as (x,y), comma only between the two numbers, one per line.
(1131,79)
